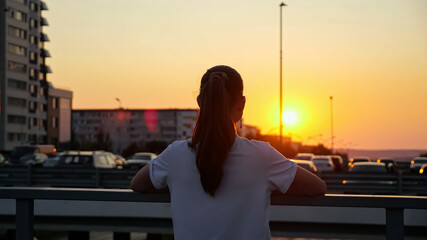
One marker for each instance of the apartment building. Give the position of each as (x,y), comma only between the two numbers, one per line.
(23,73)
(59,115)
(126,126)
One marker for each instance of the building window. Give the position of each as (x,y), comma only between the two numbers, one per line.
(17,84)
(33,74)
(16,49)
(32,138)
(33,90)
(32,107)
(11,137)
(33,57)
(54,123)
(17,67)
(17,102)
(54,103)
(41,77)
(33,39)
(33,122)
(16,32)
(17,15)
(33,23)
(16,119)
(33,7)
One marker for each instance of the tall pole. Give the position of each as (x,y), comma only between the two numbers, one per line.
(281,64)
(332,124)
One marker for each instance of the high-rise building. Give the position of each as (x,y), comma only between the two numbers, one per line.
(23,73)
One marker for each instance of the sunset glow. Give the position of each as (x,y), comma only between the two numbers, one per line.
(289,118)
(370,55)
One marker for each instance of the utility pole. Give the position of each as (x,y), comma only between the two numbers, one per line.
(281,74)
(332,124)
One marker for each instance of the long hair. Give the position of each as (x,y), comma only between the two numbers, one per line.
(215,131)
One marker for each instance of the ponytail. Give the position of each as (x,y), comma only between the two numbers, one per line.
(215,130)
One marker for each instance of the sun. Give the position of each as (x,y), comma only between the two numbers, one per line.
(289,117)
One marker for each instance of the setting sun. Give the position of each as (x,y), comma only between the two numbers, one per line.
(289,117)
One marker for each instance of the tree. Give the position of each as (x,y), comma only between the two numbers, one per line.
(103,142)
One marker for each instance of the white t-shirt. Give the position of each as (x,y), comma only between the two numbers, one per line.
(240,208)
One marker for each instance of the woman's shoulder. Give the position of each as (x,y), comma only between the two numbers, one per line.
(179,145)
(253,144)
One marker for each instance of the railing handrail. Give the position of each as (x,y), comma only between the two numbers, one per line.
(25,196)
(126,195)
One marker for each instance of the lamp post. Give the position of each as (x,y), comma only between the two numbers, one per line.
(281,64)
(120,102)
(332,124)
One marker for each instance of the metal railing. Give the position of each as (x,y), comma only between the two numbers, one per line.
(360,183)
(25,196)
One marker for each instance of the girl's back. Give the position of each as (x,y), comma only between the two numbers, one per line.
(239,209)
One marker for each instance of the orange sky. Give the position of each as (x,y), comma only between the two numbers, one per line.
(371,56)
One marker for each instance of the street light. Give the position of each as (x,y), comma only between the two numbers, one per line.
(332,125)
(281,63)
(120,103)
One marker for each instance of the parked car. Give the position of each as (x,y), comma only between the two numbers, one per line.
(118,160)
(370,185)
(417,162)
(323,163)
(338,163)
(86,159)
(2,160)
(53,159)
(33,159)
(389,162)
(358,159)
(28,151)
(309,165)
(304,156)
(139,160)
(369,167)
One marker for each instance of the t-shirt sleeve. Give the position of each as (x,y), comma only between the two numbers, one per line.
(281,170)
(159,169)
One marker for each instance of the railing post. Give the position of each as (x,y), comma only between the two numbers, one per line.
(395,228)
(30,175)
(399,182)
(98,178)
(24,219)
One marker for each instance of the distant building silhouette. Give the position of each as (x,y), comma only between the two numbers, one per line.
(127,126)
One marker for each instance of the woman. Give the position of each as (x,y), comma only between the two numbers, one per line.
(220,184)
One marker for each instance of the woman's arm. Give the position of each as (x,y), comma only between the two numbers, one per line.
(306,184)
(141,182)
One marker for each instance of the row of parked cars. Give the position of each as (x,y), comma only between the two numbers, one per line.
(46,156)
(334,163)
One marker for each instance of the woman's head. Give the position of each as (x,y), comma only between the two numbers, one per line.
(221,104)
(214,81)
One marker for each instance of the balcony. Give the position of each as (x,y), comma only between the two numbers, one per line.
(45,69)
(43,22)
(44,37)
(43,6)
(44,53)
